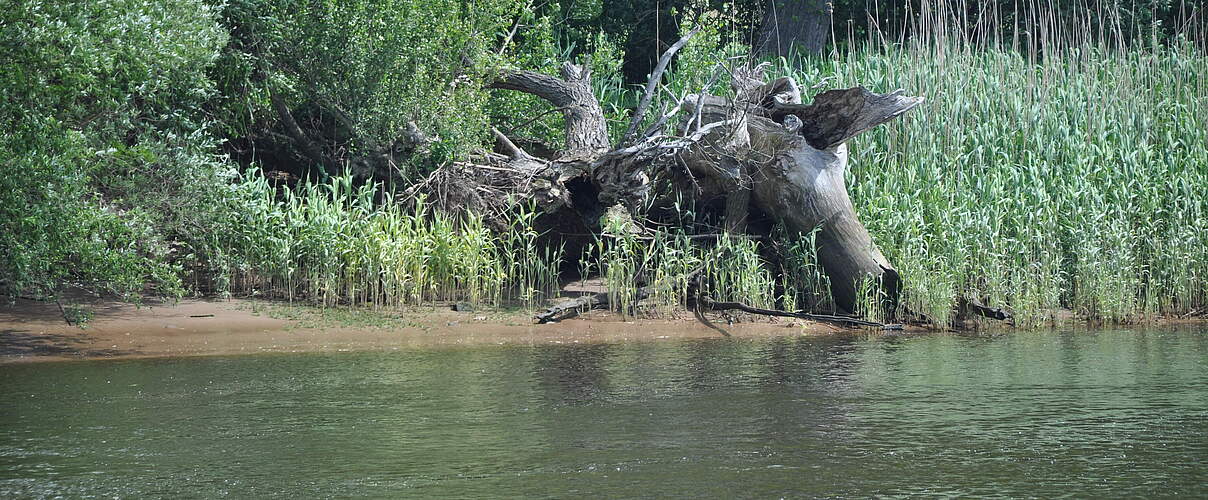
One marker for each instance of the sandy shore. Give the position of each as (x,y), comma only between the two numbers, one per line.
(37,331)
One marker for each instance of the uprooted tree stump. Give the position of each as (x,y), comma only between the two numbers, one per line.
(761,150)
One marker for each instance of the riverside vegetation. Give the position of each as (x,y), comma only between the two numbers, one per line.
(1064,172)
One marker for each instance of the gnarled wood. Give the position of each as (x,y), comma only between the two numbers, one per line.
(762,150)
(804,189)
(586,130)
(801,184)
(838,115)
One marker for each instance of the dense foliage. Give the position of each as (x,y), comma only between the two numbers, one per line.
(105,154)
(353,75)
(1070,178)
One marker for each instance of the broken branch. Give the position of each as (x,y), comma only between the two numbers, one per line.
(652,83)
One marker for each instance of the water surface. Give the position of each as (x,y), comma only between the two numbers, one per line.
(1044,414)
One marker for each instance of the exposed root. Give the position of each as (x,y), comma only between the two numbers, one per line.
(700,316)
(705,302)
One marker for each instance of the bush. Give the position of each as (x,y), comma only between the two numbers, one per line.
(102,105)
(354,74)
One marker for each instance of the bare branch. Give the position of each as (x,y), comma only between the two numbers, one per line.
(704,302)
(503,47)
(550,88)
(652,83)
(838,115)
(701,97)
(514,151)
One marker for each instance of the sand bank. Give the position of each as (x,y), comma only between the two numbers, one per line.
(38,331)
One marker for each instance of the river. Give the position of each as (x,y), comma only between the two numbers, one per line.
(1115,413)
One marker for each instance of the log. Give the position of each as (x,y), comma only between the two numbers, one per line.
(973,306)
(570,308)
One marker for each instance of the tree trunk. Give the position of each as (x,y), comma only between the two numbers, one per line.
(586,130)
(804,189)
(800,24)
(802,186)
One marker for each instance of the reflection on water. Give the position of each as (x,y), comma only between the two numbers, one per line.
(1118,413)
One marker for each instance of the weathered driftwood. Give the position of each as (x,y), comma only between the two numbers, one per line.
(762,150)
(799,177)
(570,308)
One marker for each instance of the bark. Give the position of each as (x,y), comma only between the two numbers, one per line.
(296,134)
(788,25)
(586,130)
(802,185)
(805,188)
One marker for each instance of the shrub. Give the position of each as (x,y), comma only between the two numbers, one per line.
(102,104)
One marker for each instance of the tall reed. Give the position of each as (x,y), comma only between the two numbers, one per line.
(1066,172)
(333,243)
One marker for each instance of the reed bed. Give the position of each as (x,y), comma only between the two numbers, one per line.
(1069,172)
(730,270)
(333,243)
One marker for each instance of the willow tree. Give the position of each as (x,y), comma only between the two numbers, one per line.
(794,26)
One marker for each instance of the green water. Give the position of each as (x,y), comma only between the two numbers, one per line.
(1083,414)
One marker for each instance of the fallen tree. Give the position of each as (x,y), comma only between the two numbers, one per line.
(762,150)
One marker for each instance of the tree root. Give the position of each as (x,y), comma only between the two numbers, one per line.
(571,308)
(705,303)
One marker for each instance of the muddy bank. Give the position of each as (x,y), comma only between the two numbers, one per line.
(38,331)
